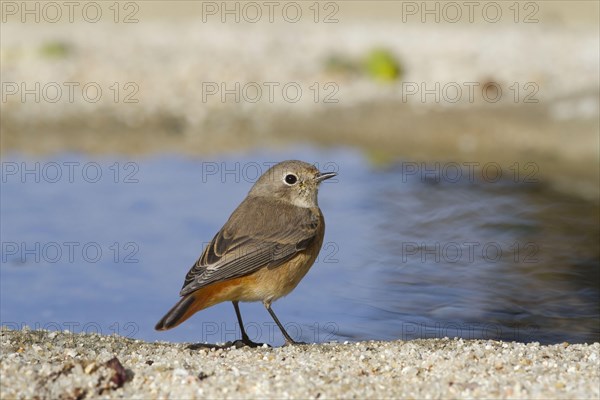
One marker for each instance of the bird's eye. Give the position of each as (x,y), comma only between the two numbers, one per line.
(290,179)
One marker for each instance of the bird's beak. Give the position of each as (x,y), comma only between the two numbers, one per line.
(321,176)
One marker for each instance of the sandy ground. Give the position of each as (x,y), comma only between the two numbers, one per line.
(42,364)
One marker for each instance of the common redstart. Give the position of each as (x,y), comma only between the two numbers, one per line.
(263,251)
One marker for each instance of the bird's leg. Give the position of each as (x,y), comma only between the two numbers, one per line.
(236,305)
(245,339)
(288,339)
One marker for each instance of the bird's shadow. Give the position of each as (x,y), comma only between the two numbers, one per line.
(237,344)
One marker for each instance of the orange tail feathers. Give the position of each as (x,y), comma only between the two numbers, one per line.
(199,300)
(181,311)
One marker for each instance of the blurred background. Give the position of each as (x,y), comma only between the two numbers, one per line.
(465,136)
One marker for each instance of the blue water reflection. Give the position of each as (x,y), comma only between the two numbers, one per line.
(406,255)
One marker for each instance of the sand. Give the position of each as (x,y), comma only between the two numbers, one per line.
(55,365)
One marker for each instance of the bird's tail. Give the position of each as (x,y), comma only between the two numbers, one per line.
(199,300)
(181,311)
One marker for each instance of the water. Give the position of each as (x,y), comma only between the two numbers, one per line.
(405,256)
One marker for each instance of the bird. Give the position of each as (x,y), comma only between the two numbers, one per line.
(263,251)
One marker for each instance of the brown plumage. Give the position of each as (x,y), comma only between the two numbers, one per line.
(263,251)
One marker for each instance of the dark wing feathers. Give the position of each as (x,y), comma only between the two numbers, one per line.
(241,248)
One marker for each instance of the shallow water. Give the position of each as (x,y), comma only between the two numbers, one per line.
(409,252)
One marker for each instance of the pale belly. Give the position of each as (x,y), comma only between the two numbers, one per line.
(268,285)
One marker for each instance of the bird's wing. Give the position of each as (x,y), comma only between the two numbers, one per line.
(260,233)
